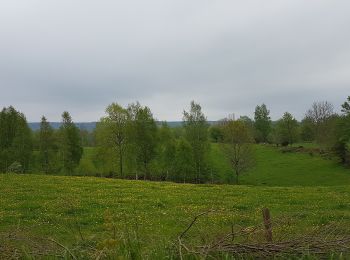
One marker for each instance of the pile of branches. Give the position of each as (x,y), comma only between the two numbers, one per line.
(257,242)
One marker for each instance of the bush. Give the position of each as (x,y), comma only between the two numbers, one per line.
(15,167)
(86,168)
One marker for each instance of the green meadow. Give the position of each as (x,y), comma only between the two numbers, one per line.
(274,168)
(307,190)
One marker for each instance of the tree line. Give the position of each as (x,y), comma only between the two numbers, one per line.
(321,125)
(46,150)
(128,143)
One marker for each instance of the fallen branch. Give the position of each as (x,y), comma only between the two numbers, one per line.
(249,242)
(64,247)
(193,221)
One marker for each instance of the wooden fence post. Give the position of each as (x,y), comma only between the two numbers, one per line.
(267,224)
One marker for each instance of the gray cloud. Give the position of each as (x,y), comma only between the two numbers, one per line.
(228,55)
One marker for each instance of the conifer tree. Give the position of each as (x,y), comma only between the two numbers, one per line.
(47,146)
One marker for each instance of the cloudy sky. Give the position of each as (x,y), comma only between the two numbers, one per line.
(81,55)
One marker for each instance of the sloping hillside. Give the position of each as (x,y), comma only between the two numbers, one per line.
(274,168)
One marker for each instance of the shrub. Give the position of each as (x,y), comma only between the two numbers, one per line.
(15,167)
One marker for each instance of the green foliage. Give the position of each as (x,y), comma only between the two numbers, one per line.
(216,134)
(271,167)
(15,139)
(196,133)
(236,132)
(237,146)
(130,145)
(15,167)
(342,132)
(329,132)
(322,120)
(70,149)
(184,167)
(262,123)
(287,130)
(166,152)
(143,135)
(346,106)
(249,123)
(87,138)
(148,151)
(112,135)
(106,158)
(178,131)
(307,133)
(47,147)
(86,167)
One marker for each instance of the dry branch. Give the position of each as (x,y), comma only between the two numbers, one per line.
(244,242)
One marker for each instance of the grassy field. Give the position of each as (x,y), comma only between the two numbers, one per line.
(58,207)
(84,212)
(274,168)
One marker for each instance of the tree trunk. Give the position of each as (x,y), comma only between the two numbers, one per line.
(121,163)
(145,170)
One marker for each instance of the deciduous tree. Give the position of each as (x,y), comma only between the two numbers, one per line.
(287,129)
(166,152)
(262,123)
(112,133)
(196,133)
(342,144)
(15,139)
(238,147)
(346,106)
(322,117)
(216,133)
(184,167)
(143,134)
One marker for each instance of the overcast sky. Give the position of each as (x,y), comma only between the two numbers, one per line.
(81,55)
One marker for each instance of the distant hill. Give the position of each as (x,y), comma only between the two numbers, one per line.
(173,124)
(90,126)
